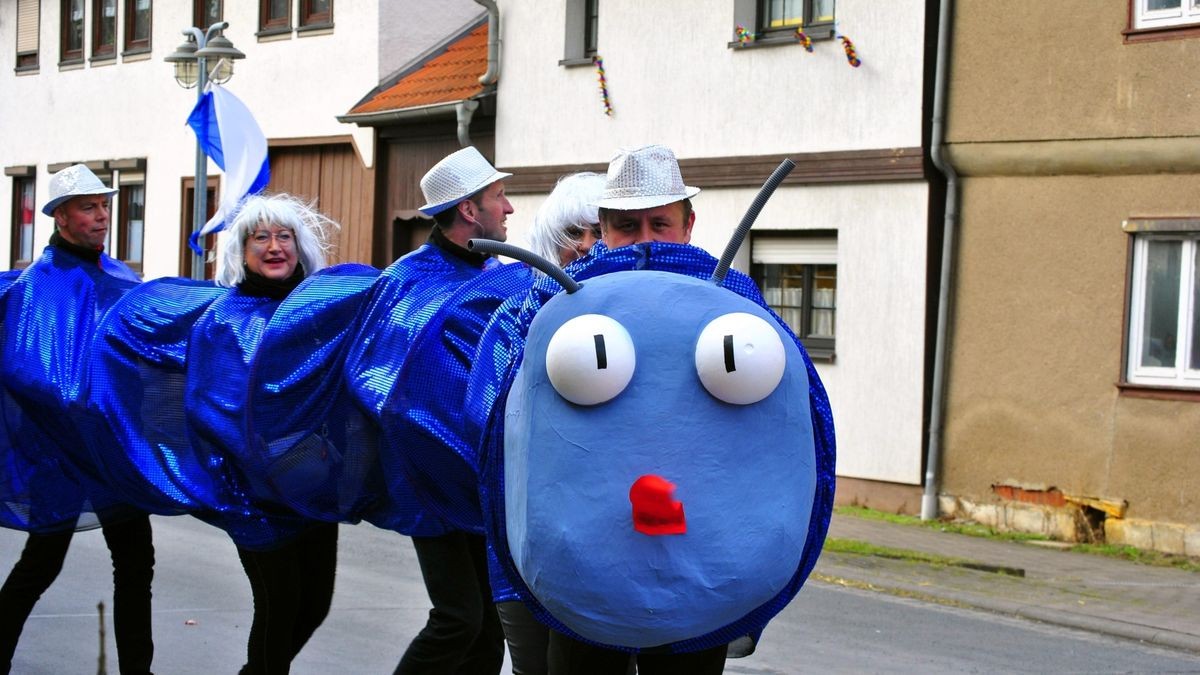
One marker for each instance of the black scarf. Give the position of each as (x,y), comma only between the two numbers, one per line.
(83,252)
(276,289)
(438,239)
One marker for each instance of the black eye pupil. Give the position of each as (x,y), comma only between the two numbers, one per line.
(730,366)
(601,355)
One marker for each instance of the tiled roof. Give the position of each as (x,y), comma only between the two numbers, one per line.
(450,76)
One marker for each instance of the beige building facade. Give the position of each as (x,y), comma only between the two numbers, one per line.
(1073,391)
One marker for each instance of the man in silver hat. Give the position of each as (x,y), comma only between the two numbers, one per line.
(644,200)
(465,195)
(79,204)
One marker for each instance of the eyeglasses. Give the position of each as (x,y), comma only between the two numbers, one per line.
(263,238)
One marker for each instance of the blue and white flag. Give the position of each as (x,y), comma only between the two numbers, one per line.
(228,133)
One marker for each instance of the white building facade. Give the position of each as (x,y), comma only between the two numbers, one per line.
(841,248)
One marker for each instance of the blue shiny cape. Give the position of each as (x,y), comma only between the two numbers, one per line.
(138,376)
(49,317)
(401,302)
(220,350)
(496,366)
(320,449)
(428,444)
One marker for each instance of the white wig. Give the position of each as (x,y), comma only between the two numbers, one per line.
(570,205)
(307,224)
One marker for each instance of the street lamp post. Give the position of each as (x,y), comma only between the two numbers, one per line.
(191,70)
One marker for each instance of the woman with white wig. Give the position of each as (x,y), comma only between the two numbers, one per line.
(273,243)
(567,224)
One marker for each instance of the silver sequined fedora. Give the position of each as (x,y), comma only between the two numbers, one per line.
(644,178)
(74,181)
(458,176)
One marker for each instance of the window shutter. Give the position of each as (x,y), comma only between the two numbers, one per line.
(27,26)
(794,250)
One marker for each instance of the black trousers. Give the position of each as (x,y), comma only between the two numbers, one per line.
(292,588)
(130,543)
(463,634)
(567,656)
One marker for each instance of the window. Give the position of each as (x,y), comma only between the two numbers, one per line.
(72,31)
(274,16)
(131,217)
(137,25)
(1164,13)
(1164,325)
(776,21)
(582,32)
(209,242)
(22,228)
(316,13)
(27,34)
(207,12)
(104,29)
(798,278)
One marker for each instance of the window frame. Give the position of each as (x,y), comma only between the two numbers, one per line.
(133,44)
(18,227)
(1178,376)
(199,15)
(1161,25)
(310,20)
(751,15)
(578,48)
(819,348)
(101,51)
(68,55)
(269,26)
(124,192)
(27,59)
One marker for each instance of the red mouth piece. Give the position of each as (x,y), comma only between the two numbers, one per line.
(654,511)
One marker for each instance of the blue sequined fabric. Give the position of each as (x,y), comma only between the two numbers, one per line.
(428,447)
(496,363)
(49,316)
(406,296)
(317,449)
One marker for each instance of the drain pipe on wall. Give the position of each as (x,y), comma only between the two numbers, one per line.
(465,110)
(493,70)
(937,404)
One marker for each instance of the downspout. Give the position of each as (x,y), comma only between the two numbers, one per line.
(493,71)
(929,501)
(465,110)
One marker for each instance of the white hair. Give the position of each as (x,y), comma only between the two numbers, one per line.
(306,223)
(570,204)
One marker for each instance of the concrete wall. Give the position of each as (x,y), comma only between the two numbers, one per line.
(1063,132)
(696,95)
(133,107)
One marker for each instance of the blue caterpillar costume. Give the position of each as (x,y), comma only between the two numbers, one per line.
(658,433)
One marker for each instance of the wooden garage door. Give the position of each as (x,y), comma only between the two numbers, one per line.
(343,189)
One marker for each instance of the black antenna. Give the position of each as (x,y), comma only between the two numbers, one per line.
(534,260)
(739,235)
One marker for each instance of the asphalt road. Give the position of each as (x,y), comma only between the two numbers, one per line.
(202,612)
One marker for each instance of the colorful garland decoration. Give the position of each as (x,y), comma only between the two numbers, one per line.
(743,36)
(851,55)
(805,41)
(608,110)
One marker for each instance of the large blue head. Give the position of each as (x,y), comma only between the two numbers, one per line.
(659,464)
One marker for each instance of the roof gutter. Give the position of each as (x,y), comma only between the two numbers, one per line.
(929,500)
(462,111)
(493,71)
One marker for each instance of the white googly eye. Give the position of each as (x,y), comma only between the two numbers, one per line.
(740,358)
(590,359)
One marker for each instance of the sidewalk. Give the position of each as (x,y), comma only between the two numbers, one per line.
(1104,595)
